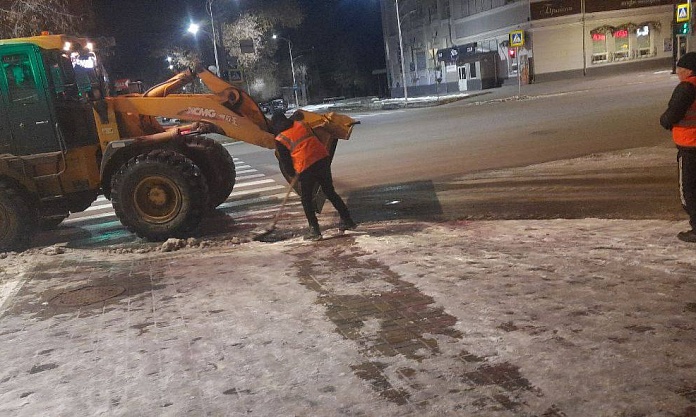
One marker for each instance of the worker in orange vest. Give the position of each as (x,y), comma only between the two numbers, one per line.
(680,118)
(302,153)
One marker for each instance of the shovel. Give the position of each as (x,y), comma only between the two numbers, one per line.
(270,227)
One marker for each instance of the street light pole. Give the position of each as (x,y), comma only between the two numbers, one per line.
(209,5)
(292,68)
(401,53)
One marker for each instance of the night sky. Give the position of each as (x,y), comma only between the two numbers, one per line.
(138,26)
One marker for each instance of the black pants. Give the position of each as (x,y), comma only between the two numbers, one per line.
(320,173)
(687,182)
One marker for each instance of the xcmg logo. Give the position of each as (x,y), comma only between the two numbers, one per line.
(201,112)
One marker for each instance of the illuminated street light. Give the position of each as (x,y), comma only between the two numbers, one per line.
(194,28)
(292,68)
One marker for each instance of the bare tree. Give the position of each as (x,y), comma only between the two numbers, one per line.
(178,58)
(249,26)
(30,17)
(257,24)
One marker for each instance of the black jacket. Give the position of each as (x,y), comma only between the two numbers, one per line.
(285,159)
(683,96)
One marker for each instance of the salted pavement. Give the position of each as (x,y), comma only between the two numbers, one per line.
(482,318)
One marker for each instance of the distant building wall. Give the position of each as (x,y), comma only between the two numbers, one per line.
(562,37)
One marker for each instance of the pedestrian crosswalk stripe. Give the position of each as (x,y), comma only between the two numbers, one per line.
(248,177)
(91,217)
(255,200)
(257,190)
(253,183)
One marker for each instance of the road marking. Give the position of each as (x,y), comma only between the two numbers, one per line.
(9,289)
(254,191)
(87,218)
(253,183)
(248,177)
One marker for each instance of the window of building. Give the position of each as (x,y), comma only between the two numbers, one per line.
(643,41)
(599,48)
(621,45)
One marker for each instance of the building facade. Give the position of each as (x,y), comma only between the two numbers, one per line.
(460,45)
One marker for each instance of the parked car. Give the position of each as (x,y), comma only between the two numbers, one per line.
(274,105)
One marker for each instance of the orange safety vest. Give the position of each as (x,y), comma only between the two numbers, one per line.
(684,132)
(305,148)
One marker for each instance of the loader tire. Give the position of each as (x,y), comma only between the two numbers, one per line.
(159,194)
(17,219)
(217,167)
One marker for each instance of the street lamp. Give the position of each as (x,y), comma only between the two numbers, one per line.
(401,53)
(194,28)
(292,68)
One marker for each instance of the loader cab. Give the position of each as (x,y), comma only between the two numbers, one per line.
(26,124)
(46,99)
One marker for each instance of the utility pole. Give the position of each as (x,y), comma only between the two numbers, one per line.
(209,6)
(401,53)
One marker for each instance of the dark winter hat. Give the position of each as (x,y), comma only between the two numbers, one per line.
(279,122)
(688,61)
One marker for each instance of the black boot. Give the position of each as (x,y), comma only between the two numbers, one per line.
(346,224)
(688,236)
(314,234)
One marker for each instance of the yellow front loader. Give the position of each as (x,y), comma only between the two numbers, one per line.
(68,142)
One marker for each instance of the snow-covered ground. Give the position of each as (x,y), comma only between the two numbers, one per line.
(581,317)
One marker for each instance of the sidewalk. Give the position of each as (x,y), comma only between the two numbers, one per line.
(483,318)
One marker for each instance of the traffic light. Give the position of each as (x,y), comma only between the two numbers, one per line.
(682,28)
(512,52)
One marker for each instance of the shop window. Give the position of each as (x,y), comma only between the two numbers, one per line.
(643,41)
(621,47)
(472,70)
(599,48)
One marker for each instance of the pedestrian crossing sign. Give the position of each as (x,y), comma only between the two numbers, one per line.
(517,38)
(683,13)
